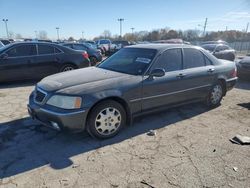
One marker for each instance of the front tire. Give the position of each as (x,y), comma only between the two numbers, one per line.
(106,119)
(215,95)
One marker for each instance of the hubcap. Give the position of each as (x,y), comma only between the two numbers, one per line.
(108,121)
(68,69)
(216,94)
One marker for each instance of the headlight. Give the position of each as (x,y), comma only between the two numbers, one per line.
(65,102)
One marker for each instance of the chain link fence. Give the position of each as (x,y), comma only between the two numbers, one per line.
(241,47)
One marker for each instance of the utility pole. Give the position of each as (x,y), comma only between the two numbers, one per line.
(57,30)
(6,27)
(121,20)
(132,28)
(226,28)
(205,26)
(247,27)
(82,34)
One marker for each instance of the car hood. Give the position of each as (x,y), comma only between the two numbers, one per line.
(91,76)
(245,60)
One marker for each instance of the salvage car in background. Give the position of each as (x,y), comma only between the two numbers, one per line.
(221,51)
(1,44)
(35,60)
(106,46)
(94,55)
(243,68)
(136,80)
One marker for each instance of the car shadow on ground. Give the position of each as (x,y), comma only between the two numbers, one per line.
(245,105)
(243,84)
(25,146)
(17,84)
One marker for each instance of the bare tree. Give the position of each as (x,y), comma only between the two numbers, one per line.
(71,39)
(106,34)
(18,36)
(11,34)
(43,35)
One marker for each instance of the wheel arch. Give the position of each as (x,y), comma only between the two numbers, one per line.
(117,99)
(224,85)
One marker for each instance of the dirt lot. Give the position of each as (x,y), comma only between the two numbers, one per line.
(191,148)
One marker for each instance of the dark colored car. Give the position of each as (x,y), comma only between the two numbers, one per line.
(135,80)
(243,68)
(35,60)
(221,51)
(1,44)
(5,41)
(121,43)
(215,42)
(94,55)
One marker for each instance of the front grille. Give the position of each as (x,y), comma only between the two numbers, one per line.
(39,96)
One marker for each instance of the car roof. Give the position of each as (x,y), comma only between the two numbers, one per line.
(160,47)
(33,42)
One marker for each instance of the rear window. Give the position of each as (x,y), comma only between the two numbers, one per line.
(209,47)
(193,58)
(45,49)
(79,47)
(104,42)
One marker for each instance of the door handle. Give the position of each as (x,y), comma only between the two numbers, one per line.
(181,75)
(210,70)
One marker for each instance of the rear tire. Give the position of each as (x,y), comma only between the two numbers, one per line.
(106,119)
(67,67)
(215,95)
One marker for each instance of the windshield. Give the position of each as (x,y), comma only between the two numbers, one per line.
(210,47)
(133,61)
(5,47)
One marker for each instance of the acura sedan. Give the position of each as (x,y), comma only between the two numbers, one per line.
(136,80)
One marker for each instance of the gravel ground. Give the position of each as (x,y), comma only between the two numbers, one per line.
(191,148)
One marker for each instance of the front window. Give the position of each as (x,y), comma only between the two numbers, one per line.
(209,47)
(22,50)
(133,61)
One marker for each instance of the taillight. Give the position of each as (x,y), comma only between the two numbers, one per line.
(85,55)
(234,73)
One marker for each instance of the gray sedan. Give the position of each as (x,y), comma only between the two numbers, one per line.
(136,80)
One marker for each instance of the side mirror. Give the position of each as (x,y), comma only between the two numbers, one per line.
(157,73)
(4,56)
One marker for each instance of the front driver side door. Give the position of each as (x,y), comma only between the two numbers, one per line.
(161,91)
(16,64)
